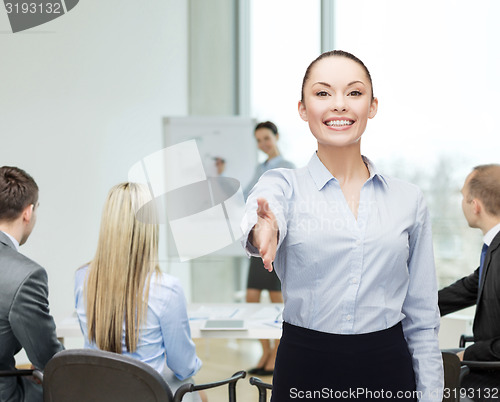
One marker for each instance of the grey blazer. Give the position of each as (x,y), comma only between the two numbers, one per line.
(25,321)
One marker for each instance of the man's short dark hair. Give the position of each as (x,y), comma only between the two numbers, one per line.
(484,184)
(17,191)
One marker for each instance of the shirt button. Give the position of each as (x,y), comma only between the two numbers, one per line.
(348,318)
(354,280)
(358,242)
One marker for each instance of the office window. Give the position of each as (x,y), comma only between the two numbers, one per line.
(285,38)
(435,71)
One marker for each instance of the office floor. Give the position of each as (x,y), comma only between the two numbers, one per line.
(222,358)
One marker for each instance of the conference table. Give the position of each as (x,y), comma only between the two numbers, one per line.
(260,321)
(263,321)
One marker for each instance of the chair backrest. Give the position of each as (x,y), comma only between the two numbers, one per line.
(262,387)
(80,375)
(452,368)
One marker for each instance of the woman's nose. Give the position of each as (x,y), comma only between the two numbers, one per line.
(338,103)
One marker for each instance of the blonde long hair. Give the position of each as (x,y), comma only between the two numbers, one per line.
(117,286)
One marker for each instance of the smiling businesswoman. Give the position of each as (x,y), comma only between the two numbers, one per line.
(353,251)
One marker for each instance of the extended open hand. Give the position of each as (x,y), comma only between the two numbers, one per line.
(264,235)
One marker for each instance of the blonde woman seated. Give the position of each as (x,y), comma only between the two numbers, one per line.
(125,304)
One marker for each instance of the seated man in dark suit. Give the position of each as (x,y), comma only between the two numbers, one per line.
(25,321)
(481,207)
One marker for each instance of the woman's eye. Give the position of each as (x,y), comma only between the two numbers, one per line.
(321,93)
(355,93)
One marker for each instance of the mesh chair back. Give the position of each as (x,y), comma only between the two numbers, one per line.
(80,375)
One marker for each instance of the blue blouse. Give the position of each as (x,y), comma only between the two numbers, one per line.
(276,162)
(165,338)
(350,276)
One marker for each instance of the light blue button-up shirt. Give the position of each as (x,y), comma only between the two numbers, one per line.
(165,337)
(276,162)
(346,276)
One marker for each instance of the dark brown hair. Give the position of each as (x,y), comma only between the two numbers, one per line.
(269,125)
(334,53)
(484,184)
(17,191)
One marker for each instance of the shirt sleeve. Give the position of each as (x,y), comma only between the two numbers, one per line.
(80,305)
(31,321)
(180,348)
(253,181)
(275,187)
(421,322)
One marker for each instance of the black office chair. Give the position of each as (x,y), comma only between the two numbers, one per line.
(262,387)
(453,374)
(476,365)
(21,373)
(83,375)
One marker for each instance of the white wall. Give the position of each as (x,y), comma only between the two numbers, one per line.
(82,99)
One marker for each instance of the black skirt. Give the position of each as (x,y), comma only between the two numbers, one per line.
(260,278)
(313,365)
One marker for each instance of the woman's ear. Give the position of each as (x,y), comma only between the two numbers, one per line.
(373,108)
(302,111)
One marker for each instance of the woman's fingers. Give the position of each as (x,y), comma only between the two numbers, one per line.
(264,211)
(268,258)
(266,233)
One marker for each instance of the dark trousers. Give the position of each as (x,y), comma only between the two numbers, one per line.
(313,365)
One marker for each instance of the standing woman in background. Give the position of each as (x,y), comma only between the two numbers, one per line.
(353,251)
(124,303)
(267,136)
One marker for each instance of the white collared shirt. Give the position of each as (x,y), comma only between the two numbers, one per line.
(488,237)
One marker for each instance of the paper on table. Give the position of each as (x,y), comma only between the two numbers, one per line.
(269,316)
(271,313)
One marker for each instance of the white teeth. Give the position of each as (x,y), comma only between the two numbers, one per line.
(339,123)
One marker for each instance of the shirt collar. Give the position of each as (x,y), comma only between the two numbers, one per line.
(488,237)
(321,175)
(12,239)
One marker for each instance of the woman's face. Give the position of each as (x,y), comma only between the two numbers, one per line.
(337,101)
(266,140)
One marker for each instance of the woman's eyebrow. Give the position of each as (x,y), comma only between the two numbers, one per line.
(355,82)
(323,83)
(326,84)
